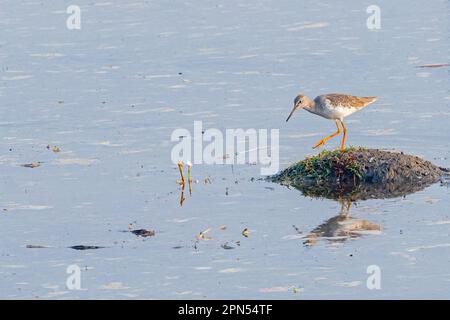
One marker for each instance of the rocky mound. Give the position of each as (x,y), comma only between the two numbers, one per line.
(360,173)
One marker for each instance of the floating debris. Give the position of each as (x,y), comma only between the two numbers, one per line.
(227,246)
(245,232)
(296,290)
(143,233)
(36,246)
(54,149)
(223,227)
(31,165)
(202,236)
(434,65)
(82,247)
(207,180)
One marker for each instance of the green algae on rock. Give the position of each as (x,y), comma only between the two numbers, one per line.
(360,173)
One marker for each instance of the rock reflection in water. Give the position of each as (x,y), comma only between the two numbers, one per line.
(343,226)
(362,191)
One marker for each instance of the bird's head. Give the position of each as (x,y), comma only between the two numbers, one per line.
(300,102)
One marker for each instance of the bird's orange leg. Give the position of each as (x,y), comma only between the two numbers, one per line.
(345,135)
(180,168)
(322,142)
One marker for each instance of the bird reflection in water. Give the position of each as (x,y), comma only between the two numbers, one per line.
(341,227)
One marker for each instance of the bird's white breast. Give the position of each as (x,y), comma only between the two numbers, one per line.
(323,107)
(338,112)
(333,112)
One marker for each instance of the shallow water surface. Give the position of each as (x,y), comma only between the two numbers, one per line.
(110,95)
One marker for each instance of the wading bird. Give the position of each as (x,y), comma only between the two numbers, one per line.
(333,106)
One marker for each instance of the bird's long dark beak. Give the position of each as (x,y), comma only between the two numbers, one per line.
(292,112)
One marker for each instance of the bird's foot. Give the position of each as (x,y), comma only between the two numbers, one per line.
(319,144)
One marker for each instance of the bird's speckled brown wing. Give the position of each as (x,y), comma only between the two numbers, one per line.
(345,100)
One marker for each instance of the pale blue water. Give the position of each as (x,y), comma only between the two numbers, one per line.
(110,95)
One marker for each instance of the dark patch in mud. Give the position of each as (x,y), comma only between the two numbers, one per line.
(77,247)
(82,247)
(434,65)
(143,233)
(229,245)
(359,174)
(31,165)
(36,246)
